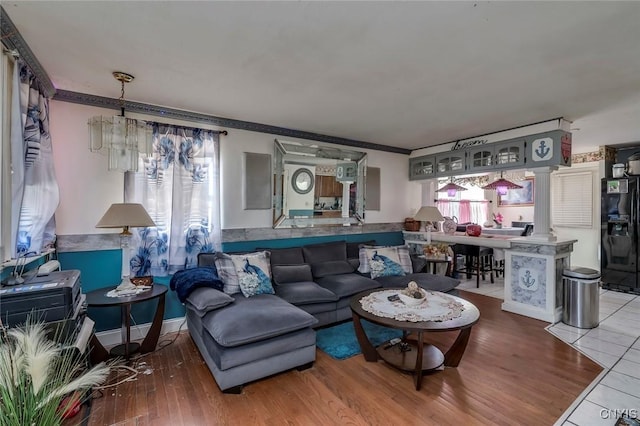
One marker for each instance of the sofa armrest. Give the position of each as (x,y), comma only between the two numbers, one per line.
(206,299)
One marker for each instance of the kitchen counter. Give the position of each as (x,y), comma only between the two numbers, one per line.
(503,231)
(493,241)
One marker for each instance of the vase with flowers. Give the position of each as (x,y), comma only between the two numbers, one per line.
(497,219)
(439,251)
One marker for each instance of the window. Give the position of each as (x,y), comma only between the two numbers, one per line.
(472,208)
(177,184)
(572,200)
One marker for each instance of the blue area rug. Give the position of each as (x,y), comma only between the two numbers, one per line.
(340,341)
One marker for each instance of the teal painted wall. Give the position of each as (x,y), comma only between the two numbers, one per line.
(383,238)
(102,268)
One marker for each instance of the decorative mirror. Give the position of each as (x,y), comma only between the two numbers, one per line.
(317,185)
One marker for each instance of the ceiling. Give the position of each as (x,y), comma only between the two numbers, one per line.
(402,74)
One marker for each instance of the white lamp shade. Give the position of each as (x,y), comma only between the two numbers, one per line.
(125,215)
(429,214)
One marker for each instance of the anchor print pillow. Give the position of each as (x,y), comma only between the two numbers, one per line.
(254,273)
(384,262)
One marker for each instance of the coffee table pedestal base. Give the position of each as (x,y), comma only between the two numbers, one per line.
(414,360)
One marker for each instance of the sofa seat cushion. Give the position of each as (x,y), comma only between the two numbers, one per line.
(427,281)
(253,319)
(304,293)
(226,358)
(347,284)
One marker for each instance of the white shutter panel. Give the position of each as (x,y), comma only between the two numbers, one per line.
(572,200)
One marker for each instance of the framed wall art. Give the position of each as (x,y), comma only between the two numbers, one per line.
(518,197)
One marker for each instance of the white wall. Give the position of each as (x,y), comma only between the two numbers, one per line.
(87,189)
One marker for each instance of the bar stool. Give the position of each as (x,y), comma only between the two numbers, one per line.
(478,261)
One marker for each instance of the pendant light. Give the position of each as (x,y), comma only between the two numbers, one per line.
(119,137)
(502,185)
(451,188)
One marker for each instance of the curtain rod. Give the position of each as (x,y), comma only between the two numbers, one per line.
(470,201)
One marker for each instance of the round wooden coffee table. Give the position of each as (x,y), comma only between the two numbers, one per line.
(416,357)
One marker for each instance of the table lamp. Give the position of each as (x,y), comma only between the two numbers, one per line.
(125,216)
(429,214)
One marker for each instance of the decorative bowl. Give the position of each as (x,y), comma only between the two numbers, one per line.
(142,281)
(412,301)
(474,230)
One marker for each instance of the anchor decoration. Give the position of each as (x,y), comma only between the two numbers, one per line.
(542,149)
(527,281)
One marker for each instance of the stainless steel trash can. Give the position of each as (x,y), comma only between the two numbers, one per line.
(581,303)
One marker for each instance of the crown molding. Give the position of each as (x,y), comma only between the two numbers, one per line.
(12,40)
(158,111)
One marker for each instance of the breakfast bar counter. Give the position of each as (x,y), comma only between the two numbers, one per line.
(533,269)
(492,241)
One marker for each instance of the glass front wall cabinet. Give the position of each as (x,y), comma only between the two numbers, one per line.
(450,163)
(423,167)
(480,158)
(316,185)
(510,153)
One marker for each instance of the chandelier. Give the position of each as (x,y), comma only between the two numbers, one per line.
(121,138)
(501,186)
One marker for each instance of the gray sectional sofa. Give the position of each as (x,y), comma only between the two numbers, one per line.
(248,338)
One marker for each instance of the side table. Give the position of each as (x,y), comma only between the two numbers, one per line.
(99,299)
(436,260)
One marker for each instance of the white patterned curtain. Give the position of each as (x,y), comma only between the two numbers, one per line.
(178,185)
(34,189)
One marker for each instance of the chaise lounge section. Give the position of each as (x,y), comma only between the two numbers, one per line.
(243,339)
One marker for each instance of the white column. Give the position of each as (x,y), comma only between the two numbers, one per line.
(429,192)
(542,205)
(345,199)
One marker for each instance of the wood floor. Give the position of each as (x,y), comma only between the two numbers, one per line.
(513,373)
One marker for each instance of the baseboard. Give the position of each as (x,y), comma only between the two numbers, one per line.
(110,338)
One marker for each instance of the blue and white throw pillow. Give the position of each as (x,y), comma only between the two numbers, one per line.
(254,273)
(404,258)
(384,261)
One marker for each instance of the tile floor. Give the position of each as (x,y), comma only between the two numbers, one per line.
(614,344)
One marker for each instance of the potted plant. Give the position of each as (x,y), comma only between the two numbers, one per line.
(37,374)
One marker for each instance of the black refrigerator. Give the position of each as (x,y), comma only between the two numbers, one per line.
(619,236)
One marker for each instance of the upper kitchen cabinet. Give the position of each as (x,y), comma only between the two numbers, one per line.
(481,158)
(450,163)
(509,154)
(423,167)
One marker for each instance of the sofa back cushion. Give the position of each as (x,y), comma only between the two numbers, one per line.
(331,267)
(353,249)
(207,259)
(283,274)
(286,256)
(323,252)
